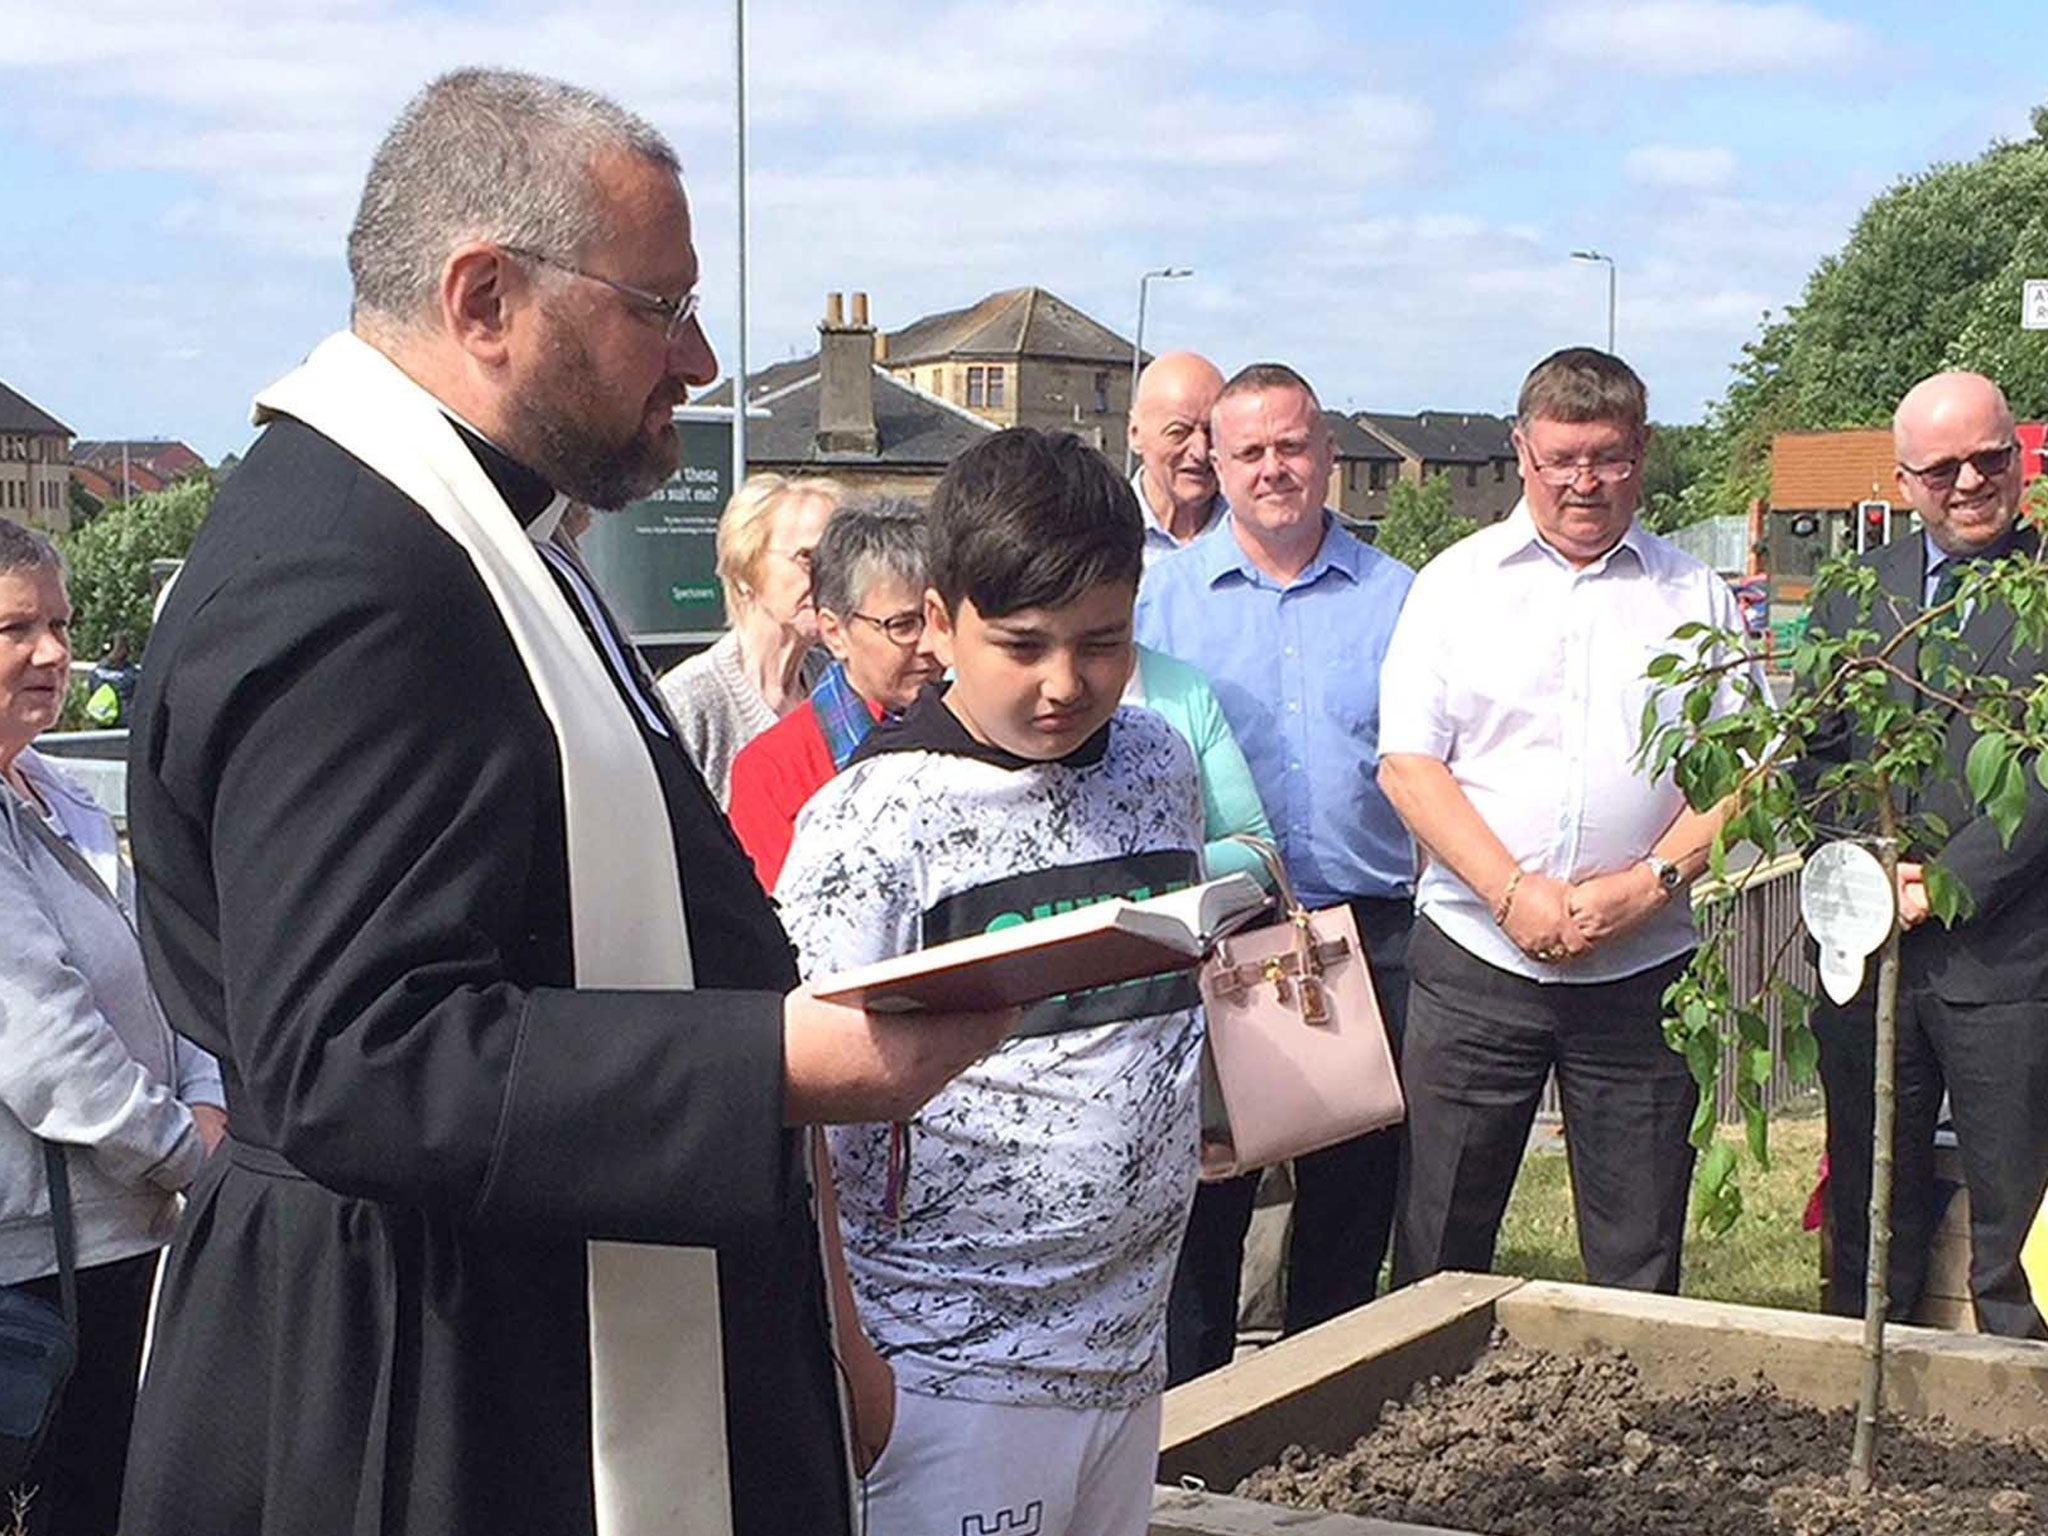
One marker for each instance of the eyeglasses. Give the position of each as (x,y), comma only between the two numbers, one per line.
(1989,464)
(671,314)
(903,628)
(1606,471)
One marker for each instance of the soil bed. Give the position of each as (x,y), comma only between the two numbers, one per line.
(1533,1444)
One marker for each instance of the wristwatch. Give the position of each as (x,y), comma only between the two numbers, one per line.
(1669,879)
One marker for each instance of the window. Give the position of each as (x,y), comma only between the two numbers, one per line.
(1471,477)
(1500,471)
(1101,393)
(985,387)
(1376,475)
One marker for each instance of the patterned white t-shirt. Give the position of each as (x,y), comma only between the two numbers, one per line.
(1033,1243)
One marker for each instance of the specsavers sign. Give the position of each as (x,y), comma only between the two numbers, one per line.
(657,559)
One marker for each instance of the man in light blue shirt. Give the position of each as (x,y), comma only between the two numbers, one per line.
(1290,615)
(1169,435)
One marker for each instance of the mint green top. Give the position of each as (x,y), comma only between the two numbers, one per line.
(1182,696)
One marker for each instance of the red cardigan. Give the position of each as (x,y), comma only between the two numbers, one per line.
(772,777)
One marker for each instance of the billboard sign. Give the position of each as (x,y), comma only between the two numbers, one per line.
(657,559)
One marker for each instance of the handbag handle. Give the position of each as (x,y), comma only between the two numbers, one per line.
(55,1167)
(1306,975)
(1270,857)
(59,1176)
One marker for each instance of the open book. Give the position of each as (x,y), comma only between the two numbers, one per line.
(1094,946)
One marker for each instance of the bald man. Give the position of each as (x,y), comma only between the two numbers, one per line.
(1175,481)
(1973,999)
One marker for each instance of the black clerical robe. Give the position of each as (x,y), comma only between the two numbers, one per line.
(347,812)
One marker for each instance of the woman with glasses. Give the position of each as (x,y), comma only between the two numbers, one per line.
(761,669)
(868,580)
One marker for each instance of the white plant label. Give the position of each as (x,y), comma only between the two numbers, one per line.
(1849,907)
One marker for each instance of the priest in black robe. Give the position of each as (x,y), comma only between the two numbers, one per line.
(514,1231)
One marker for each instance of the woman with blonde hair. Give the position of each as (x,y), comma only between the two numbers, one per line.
(762,668)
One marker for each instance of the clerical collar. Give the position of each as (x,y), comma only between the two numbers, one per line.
(929,726)
(537,505)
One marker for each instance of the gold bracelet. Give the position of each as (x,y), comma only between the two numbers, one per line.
(1507,900)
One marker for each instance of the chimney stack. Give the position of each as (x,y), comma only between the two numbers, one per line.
(846,382)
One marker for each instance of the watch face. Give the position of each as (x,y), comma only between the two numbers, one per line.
(1667,875)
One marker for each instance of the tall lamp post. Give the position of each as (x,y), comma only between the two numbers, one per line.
(1138,344)
(1597,256)
(739,350)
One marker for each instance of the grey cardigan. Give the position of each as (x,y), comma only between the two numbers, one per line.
(86,1057)
(718,709)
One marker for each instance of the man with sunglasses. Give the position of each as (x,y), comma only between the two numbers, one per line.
(1553,907)
(1973,998)
(514,1231)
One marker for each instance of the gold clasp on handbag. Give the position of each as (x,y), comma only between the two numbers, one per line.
(1275,971)
(1295,973)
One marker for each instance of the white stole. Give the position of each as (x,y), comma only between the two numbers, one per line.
(657,1378)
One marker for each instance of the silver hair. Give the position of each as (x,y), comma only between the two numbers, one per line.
(484,154)
(23,549)
(866,540)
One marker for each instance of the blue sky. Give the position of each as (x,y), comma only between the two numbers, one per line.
(1383,194)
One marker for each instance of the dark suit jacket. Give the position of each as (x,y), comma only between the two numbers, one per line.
(347,811)
(2000,952)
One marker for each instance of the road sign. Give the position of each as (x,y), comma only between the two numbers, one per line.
(2034,305)
(657,559)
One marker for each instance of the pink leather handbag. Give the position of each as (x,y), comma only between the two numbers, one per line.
(1297,1056)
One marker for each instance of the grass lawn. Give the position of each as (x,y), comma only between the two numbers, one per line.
(1766,1259)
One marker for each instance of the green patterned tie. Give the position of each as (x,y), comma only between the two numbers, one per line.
(1947,626)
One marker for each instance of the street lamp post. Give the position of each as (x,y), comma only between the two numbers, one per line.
(1597,256)
(1138,345)
(739,350)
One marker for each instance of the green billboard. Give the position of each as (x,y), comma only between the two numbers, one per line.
(657,559)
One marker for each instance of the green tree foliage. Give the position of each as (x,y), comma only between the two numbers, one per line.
(1897,715)
(110,556)
(1678,456)
(1420,524)
(1929,279)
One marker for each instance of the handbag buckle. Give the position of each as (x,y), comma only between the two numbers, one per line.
(1275,971)
(1298,971)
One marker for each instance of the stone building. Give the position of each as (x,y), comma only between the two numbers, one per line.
(1020,358)
(1475,452)
(35,464)
(841,413)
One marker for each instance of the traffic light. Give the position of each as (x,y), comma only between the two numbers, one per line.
(1873,523)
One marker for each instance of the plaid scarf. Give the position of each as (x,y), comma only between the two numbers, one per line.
(844,717)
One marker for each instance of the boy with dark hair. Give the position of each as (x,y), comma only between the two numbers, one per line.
(1011,1249)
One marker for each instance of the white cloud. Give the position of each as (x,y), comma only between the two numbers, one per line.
(928,151)
(1674,165)
(1700,37)
(1671,39)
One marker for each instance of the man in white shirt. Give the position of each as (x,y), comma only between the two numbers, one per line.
(1555,888)
(1169,432)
